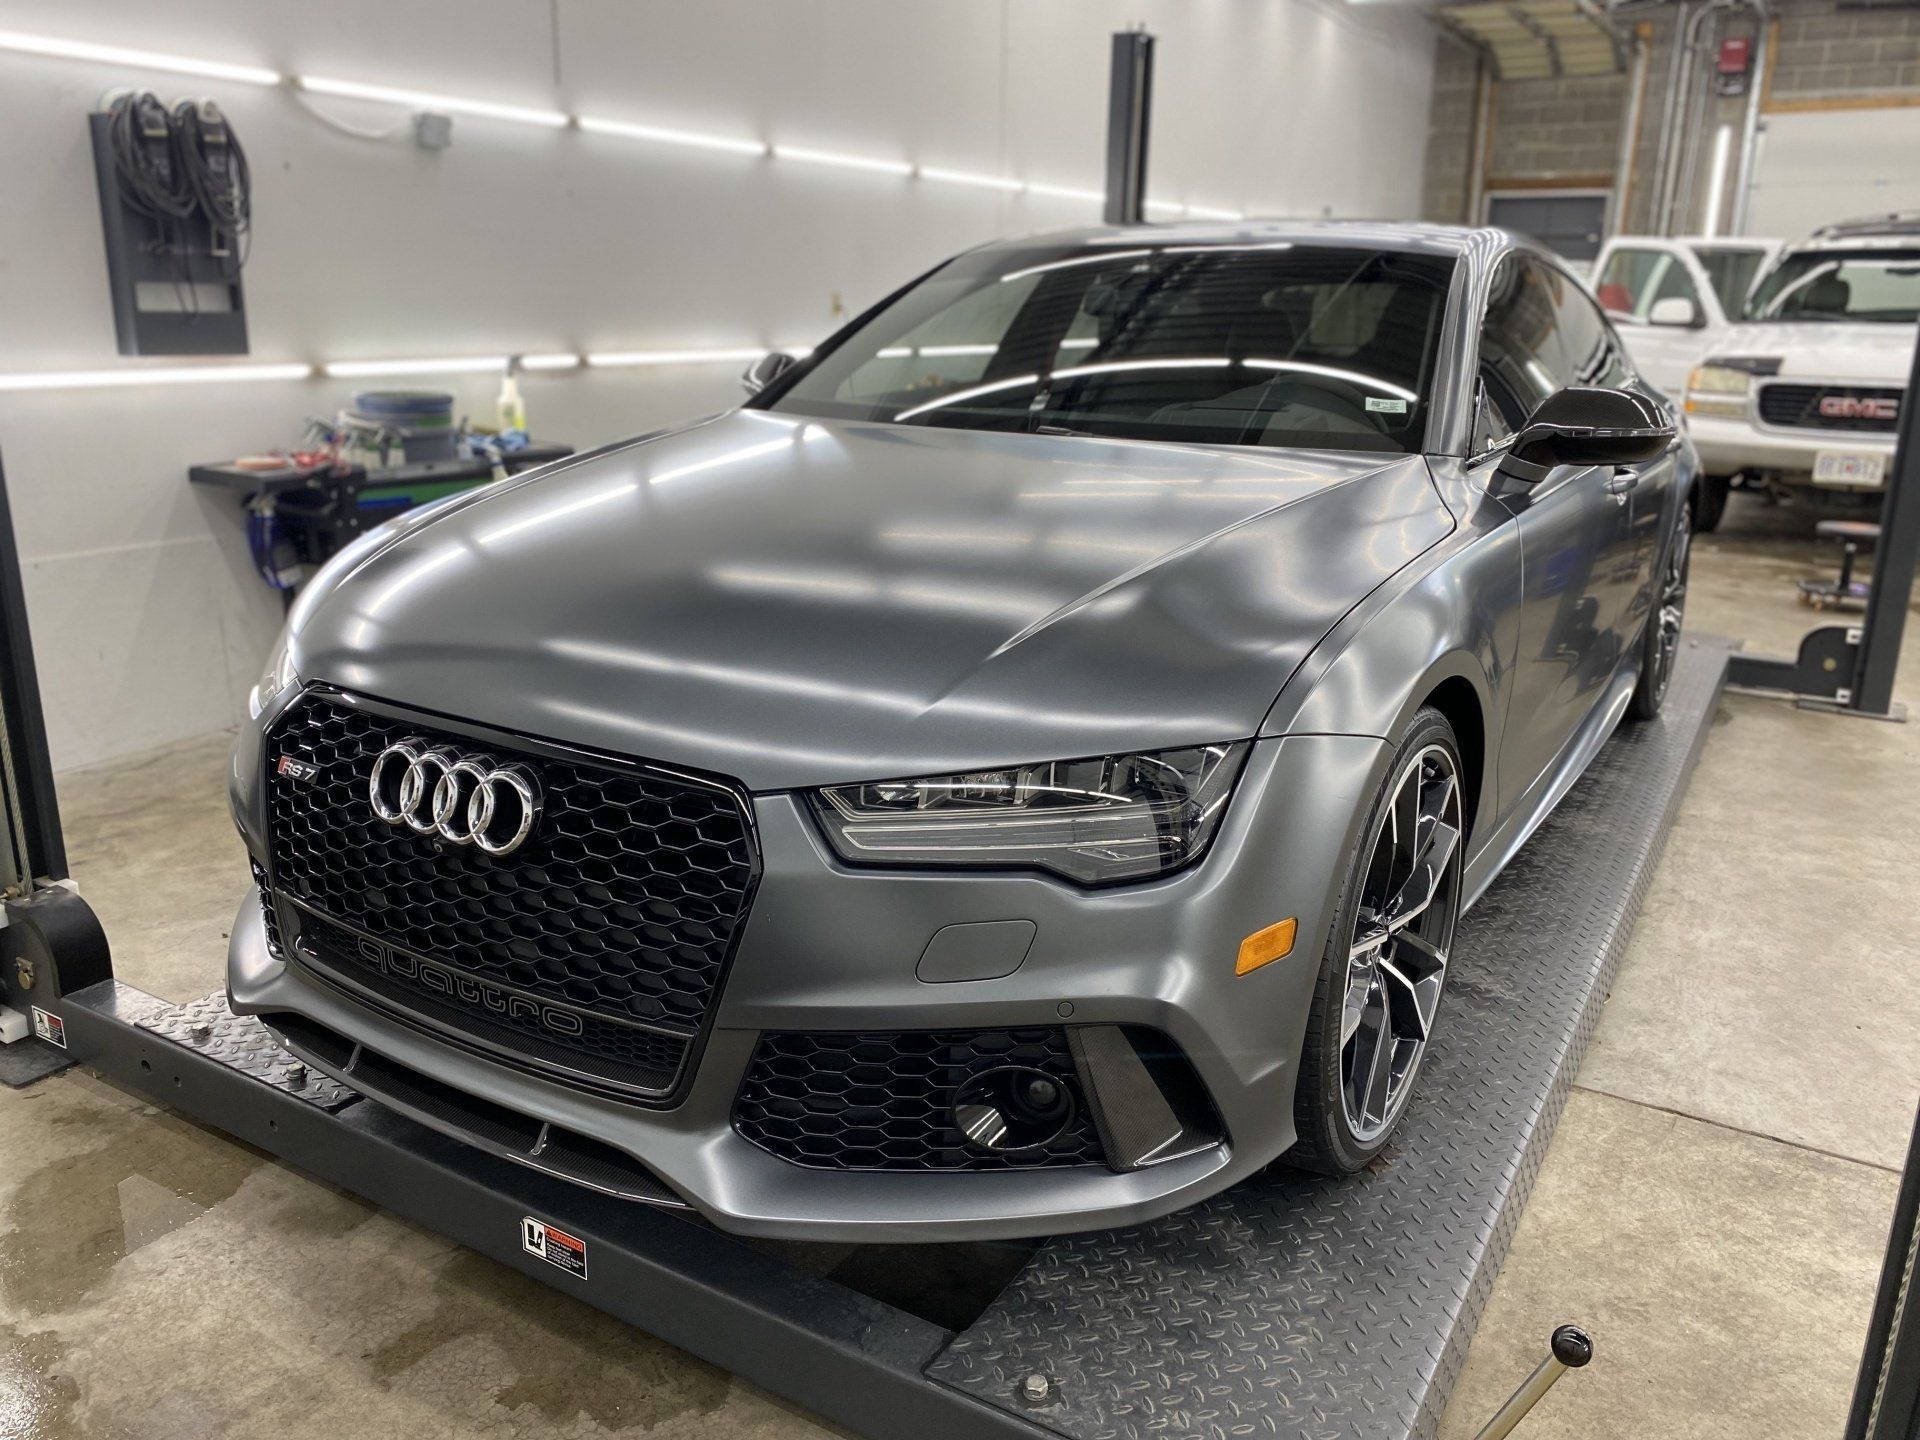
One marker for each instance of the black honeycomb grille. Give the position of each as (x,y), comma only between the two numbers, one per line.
(267,915)
(884,1101)
(623,902)
(625,1054)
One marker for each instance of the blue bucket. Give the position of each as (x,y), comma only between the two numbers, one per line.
(423,419)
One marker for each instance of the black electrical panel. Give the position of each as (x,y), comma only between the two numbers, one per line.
(175,204)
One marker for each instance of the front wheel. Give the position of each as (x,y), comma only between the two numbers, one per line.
(1711,503)
(1660,639)
(1386,961)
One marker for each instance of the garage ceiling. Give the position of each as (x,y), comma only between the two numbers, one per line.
(1539,39)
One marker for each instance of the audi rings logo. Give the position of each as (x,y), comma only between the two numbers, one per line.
(466,800)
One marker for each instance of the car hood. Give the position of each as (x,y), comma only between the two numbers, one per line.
(1867,353)
(795,602)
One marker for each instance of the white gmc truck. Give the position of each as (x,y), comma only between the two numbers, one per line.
(1805,391)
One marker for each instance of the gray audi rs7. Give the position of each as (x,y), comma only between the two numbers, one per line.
(1020,772)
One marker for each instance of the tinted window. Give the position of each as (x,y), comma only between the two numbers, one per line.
(1589,353)
(1521,360)
(1259,344)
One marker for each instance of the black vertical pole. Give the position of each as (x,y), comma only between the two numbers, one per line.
(1893,563)
(1129,112)
(36,851)
(1886,1398)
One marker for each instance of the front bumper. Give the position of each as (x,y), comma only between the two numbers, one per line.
(1728,446)
(828,948)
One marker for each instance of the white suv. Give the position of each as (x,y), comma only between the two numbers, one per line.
(1673,301)
(1806,390)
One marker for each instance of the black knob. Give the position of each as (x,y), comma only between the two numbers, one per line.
(1571,1347)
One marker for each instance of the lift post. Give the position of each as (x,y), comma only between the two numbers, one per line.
(52,944)
(1129,117)
(1850,668)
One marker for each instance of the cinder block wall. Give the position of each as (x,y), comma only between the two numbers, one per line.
(1567,132)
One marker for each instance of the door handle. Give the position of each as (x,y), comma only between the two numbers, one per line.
(1620,484)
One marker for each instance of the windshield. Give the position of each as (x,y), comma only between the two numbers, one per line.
(1256,344)
(1880,286)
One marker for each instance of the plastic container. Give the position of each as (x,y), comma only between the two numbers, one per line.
(423,419)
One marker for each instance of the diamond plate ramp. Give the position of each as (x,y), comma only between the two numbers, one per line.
(1327,1310)
(241,1042)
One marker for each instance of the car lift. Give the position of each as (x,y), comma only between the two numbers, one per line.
(1849,669)
(1290,1306)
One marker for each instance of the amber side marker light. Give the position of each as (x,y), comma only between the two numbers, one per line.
(1263,947)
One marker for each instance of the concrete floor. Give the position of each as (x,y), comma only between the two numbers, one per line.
(1714,1206)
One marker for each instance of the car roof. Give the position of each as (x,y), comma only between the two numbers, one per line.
(1893,226)
(1455,240)
(1855,242)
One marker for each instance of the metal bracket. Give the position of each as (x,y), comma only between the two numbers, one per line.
(1824,669)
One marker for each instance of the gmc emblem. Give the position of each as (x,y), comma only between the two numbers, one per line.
(1854,407)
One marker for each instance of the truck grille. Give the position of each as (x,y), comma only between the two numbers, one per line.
(595,949)
(884,1101)
(1871,409)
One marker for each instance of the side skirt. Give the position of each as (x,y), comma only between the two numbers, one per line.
(1484,867)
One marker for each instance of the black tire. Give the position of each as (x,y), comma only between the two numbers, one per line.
(1710,502)
(1329,1141)
(1660,636)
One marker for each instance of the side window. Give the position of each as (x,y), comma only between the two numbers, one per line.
(1731,273)
(1627,279)
(1634,279)
(1521,358)
(1590,354)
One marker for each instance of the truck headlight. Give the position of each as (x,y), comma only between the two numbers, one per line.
(1097,822)
(1718,390)
(277,678)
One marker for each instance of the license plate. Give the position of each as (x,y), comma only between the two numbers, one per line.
(1849,467)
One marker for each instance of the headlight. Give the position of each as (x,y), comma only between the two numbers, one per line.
(1100,821)
(1718,390)
(277,678)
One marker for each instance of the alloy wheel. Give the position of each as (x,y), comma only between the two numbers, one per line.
(1403,931)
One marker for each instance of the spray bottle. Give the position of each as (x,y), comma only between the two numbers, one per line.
(512,410)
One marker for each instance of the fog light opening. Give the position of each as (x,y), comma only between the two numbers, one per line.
(1013,1108)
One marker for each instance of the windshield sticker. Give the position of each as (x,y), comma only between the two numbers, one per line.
(1385,406)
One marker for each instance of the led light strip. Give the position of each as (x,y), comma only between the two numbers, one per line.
(460,365)
(607,359)
(366,369)
(663,135)
(55,48)
(151,375)
(420,99)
